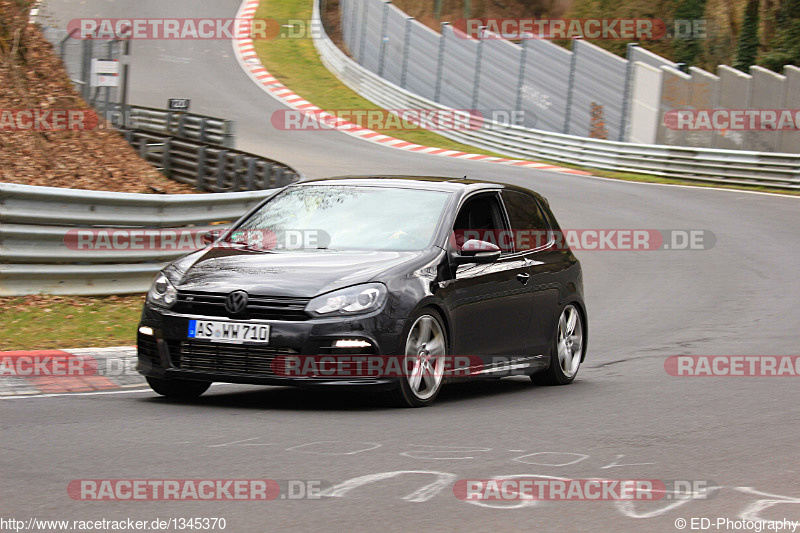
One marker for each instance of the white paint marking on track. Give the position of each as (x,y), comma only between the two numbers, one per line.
(145,388)
(57,395)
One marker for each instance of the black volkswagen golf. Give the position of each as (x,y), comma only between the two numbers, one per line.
(395,283)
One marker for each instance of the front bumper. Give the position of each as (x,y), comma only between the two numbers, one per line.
(169,354)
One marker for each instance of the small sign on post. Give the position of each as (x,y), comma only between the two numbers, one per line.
(178,104)
(105,73)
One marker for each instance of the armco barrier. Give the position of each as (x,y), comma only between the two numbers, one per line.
(189,126)
(209,167)
(34,257)
(777,170)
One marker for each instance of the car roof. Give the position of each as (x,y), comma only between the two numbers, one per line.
(434,183)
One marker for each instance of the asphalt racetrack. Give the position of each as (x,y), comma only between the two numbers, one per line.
(624,417)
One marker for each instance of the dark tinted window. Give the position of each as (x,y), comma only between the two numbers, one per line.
(527,221)
(481,218)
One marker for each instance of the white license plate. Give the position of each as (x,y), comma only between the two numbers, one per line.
(228,331)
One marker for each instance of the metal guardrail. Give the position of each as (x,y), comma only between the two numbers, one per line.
(35,256)
(188,126)
(209,167)
(775,170)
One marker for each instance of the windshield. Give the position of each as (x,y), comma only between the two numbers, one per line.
(327,217)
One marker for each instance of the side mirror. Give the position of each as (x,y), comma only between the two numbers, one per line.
(210,236)
(475,251)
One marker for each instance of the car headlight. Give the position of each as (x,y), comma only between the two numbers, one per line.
(350,301)
(162,293)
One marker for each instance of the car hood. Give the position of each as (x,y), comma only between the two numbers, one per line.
(295,274)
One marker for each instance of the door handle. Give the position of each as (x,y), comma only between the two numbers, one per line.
(523,278)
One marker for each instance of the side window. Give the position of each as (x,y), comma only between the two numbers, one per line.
(528,223)
(481,217)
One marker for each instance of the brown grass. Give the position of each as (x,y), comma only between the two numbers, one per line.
(33,77)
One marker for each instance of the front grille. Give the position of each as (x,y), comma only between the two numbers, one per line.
(146,345)
(228,358)
(258,307)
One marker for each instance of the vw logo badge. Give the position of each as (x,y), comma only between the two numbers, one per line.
(236,302)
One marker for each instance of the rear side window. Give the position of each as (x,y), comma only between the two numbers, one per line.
(528,223)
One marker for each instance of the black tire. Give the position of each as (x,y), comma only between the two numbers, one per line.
(404,395)
(180,389)
(556,374)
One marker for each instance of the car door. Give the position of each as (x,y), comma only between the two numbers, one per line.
(535,245)
(489,303)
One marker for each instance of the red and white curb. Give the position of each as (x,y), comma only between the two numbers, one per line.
(248,59)
(41,372)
